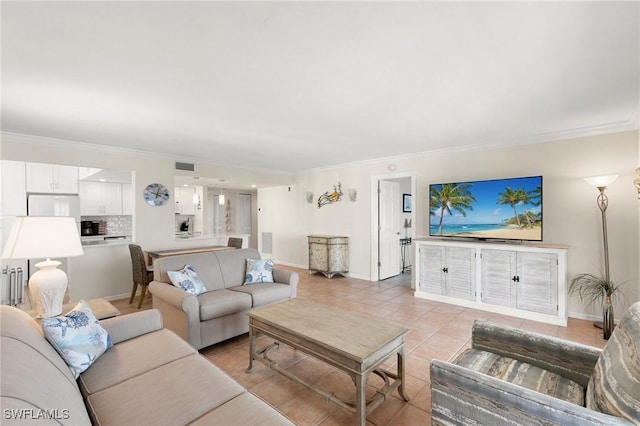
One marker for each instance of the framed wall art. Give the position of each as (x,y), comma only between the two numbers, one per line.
(406,203)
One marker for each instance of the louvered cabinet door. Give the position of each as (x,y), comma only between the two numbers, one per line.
(537,288)
(497,282)
(432,278)
(461,272)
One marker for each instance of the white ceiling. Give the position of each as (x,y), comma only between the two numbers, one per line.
(290,86)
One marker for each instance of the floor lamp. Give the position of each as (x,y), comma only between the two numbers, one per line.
(601,182)
(36,237)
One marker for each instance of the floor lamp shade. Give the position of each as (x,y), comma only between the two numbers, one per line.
(45,237)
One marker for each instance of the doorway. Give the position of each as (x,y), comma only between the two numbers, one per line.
(392,219)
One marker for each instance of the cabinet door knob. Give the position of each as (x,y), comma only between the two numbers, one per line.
(515,279)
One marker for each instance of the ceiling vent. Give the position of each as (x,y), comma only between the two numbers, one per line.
(189,167)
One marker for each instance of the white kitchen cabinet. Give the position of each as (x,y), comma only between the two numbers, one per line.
(448,271)
(100,198)
(523,280)
(14,192)
(184,200)
(127,199)
(51,178)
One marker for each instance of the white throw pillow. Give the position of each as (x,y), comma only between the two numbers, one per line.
(187,280)
(259,271)
(77,336)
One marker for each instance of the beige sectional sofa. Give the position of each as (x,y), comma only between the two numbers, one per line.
(221,312)
(149,377)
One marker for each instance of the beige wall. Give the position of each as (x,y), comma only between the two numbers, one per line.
(102,271)
(571,216)
(570,213)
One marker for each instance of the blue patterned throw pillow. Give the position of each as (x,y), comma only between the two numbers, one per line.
(187,279)
(259,271)
(78,337)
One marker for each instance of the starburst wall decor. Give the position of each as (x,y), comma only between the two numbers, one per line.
(329,198)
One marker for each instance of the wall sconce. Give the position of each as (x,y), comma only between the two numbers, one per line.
(636,182)
(309,197)
(353,194)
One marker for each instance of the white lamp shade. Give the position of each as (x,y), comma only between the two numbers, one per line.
(221,199)
(43,237)
(601,181)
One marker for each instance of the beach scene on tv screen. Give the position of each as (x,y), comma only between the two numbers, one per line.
(499,209)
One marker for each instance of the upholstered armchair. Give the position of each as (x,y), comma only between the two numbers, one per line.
(511,376)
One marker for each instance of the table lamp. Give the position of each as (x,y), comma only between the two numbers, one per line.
(36,237)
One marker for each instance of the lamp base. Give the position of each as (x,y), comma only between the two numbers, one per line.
(47,287)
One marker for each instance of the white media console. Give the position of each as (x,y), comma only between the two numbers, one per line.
(525,280)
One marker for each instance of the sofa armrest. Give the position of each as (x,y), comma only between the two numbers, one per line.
(460,396)
(174,296)
(287,277)
(129,326)
(180,311)
(568,359)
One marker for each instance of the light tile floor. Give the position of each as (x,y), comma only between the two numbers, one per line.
(437,331)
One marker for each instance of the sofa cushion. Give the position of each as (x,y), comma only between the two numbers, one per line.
(244,409)
(233,264)
(522,374)
(614,387)
(176,393)
(187,279)
(265,293)
(133,357)
(77,336)
(34,376)
(219,303)
(206,264)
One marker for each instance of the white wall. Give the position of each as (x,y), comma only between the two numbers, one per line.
(570,213)
(103,272)
(571,216)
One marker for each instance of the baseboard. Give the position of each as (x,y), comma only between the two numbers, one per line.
(588,317)
(117,296)
(306,267)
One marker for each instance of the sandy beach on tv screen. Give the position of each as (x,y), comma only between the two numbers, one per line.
(508,233)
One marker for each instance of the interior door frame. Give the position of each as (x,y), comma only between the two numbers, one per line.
(374,215)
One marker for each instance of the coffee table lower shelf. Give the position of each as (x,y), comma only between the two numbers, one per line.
(273,322)
(371,404)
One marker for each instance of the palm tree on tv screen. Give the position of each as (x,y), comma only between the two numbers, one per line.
(535,196)
(451,196)
(512,198)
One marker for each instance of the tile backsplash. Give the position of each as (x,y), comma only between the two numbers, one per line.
(116,225)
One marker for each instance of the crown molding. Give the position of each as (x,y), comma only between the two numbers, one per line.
(615,127)
(581,132)
(91,147)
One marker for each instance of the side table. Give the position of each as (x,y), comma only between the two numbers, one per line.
(102,308)
(328,254)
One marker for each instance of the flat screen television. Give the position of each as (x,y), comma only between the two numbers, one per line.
(503,209)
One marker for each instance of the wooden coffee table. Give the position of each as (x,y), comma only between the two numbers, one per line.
(353,343)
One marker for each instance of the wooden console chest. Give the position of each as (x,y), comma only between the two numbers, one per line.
(328,254)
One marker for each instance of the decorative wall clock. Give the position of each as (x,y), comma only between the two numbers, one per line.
(156,194)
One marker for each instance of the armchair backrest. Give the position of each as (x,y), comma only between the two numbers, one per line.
(614,387)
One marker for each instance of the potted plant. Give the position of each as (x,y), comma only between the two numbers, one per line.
(595,289)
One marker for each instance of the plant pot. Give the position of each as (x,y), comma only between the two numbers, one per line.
(607,319)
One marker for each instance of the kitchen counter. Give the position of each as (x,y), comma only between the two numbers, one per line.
(210,240)
(184,236)
(105,240)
